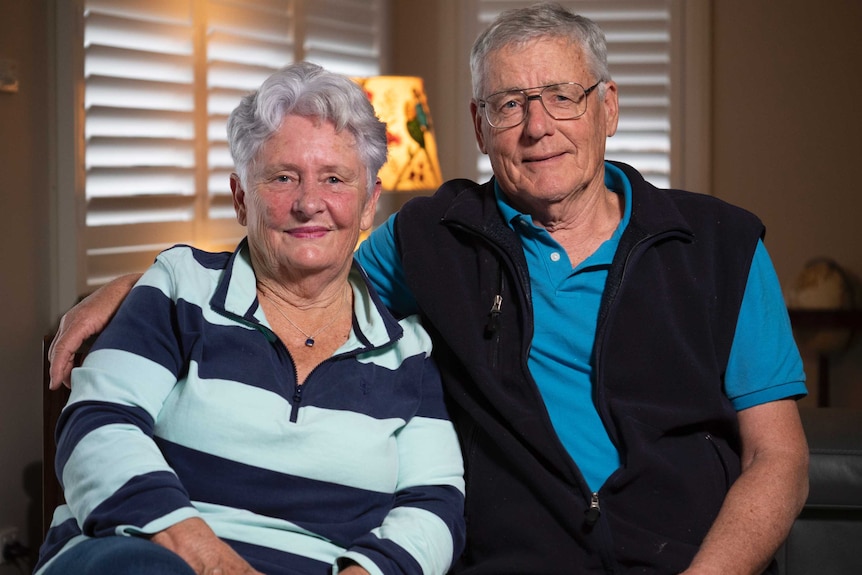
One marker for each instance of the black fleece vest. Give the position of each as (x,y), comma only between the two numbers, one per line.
(665,330)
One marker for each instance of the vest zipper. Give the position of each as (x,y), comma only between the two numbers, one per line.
(492,328)
(494,315)
(592,514)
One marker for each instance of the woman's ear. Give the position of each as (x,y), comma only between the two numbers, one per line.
(238,194)
(368,212)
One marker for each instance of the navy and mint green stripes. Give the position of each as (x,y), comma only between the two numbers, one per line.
(184,408)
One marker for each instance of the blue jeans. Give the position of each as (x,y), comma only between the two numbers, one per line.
(119,556)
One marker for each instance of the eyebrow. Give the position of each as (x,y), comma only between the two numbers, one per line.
(516,89)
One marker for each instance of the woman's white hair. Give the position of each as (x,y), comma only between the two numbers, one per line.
(306,89)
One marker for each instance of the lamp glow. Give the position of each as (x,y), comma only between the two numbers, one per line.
(400,101)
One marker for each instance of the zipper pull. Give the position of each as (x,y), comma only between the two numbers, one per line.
(592,514)
(494,316)
(297,399)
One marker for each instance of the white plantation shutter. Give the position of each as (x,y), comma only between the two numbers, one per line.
(346,36)
(245,42)
(139,132)
(161,77)
(639,37)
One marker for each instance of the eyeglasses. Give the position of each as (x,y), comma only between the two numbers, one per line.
(565,101)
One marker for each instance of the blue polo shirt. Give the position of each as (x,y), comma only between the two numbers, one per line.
(764,363)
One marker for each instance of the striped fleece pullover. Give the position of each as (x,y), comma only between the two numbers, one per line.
(188,406)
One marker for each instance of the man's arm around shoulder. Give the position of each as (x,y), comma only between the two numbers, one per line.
(86,319)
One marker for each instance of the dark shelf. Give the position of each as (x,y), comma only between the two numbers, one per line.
(850,319)
(825,318)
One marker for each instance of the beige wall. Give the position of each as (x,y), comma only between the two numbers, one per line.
(24,177)
(787,124)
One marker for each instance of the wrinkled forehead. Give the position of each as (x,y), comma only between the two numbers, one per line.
(535,62)
(308,140)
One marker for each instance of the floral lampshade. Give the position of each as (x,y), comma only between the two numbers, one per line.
(400,102)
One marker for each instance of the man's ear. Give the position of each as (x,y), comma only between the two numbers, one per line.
(476,114)
(238,194)
(612,108)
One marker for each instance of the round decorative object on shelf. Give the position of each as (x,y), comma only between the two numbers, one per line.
(822,285)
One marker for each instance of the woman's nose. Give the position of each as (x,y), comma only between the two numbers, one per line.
(308,201)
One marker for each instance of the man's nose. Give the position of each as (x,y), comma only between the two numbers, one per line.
(537,120)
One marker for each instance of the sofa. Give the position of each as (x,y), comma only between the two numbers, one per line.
(826,539)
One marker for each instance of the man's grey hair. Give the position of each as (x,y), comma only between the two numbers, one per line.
(520,26)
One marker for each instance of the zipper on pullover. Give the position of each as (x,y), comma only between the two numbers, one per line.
(297,399)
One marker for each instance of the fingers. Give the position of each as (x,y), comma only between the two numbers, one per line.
(61,371)
(193,540)
(87,318)
(62,360)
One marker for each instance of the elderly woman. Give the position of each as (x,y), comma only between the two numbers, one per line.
(261,411)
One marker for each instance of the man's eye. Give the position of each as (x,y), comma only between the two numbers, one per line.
(283,179)
(510,105)
(334,180)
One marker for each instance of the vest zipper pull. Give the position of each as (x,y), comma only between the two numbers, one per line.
(494,316)
(592,514)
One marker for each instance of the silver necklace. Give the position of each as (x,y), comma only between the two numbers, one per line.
(309,337)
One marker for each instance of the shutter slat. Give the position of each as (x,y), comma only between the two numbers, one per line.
(252,22)
(116,184)
(330,15)
(116,152)
(344,36)
(245,77)
(142,94)
(168,37)
(137,236)
(221,101)
(127,122)
(108,61)
(143,10)
(343,41)
(219,160)
(140,212)
(242,50)
(349,65)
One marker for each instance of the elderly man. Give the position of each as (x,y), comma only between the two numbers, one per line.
(618,359)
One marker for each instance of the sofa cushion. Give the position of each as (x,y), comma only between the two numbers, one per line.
(835,447)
